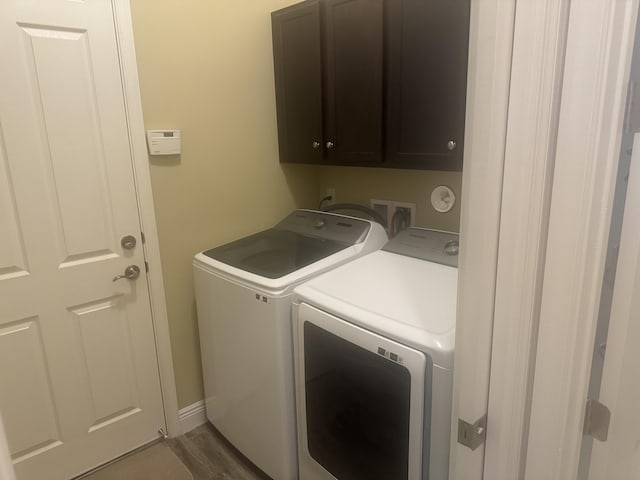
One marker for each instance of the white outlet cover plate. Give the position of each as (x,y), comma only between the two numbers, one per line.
(442,198)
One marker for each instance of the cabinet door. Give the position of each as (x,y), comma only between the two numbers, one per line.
(426,70)
(353,79)
(297,70)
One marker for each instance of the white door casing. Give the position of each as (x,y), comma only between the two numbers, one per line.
(142,175)
(78,365)
(490,44)
(6,466)
(618,457)
(597,63)
(534,104)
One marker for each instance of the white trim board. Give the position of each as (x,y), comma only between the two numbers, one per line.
(490,49)
(597,64)
(617,457)
(6,465)
(534,104)
(192,416)
(142,178)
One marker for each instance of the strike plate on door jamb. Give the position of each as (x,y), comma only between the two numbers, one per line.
(472,435)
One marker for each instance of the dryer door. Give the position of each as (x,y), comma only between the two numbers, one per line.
(361,402)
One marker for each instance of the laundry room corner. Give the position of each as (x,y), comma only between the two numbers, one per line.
(206,69)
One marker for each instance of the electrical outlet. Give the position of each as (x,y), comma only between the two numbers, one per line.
(330,192)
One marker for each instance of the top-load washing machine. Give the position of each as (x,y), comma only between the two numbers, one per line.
(374,344)
(243,296)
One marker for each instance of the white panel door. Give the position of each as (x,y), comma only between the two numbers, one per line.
(79,378)
(619,457)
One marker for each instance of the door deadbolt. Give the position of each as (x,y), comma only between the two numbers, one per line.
(130,273)
(128,242)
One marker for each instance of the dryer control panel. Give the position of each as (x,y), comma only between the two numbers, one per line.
(431,245)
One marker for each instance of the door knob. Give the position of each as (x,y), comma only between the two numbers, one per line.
(130,273)
(128,242)
(330,145)
(315,145)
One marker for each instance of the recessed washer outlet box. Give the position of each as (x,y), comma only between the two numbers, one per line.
(383,207)
(387,208)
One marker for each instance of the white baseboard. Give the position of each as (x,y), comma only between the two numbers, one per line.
(192,416)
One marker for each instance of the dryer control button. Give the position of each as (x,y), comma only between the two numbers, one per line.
(451,247)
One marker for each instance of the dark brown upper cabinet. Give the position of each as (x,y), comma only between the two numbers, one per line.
(352,61)
(298,74)
(372,82)
(426,81)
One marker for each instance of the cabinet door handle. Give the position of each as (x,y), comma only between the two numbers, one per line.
(451,145)
(315,145)
(329,145)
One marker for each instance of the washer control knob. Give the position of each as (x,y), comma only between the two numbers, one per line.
(320,223)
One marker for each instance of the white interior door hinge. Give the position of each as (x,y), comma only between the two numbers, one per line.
(596,420)
(472,435)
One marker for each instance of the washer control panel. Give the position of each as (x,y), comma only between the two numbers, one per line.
(339,228)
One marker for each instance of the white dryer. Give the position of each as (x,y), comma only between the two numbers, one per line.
(243,297)
(374,344)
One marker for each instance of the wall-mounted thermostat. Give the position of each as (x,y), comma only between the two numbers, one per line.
(163,142)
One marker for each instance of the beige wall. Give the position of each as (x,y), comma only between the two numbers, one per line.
(359,185)
(206,68)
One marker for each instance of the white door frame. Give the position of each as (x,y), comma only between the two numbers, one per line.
(598,57)
(534,105)
(6,465)
(142,177)
(534,226)
(615,457)
(515,79)
(490,42)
